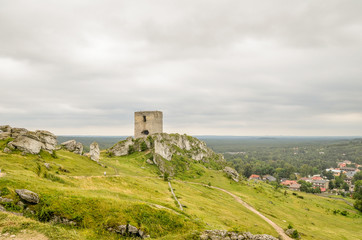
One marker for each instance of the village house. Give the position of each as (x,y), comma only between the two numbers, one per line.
(255,177)
(294,186)
(269,178)
(320,183)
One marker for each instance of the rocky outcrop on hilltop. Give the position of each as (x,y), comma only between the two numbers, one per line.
(28,141)
(73,146)
(222,234)
(167,149)
(94,151)
(121,148)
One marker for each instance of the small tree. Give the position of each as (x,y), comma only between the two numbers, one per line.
(166,175)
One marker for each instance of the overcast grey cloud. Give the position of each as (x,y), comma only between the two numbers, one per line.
(229,67)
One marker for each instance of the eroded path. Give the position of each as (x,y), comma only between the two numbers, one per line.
(279,230)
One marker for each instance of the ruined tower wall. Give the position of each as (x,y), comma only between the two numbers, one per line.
(146,123)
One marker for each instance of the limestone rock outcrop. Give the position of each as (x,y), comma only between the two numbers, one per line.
(73,146)
(232,173)
(28,141)
(94,151)
(222,234)
(121,148)
(168,148)
(28,196)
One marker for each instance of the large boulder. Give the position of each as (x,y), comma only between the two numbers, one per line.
(5,132)
(232,173)
(28,196)
(26,144)
(48,139)
(73,146)
(94,151)
(16,132)
(5,128)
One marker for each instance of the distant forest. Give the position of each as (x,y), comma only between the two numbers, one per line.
(284,156)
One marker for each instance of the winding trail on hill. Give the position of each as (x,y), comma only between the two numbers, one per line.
(279,230)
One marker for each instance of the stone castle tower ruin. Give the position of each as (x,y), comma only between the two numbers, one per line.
(148,122)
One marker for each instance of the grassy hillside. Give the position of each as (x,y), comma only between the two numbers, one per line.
(75,188)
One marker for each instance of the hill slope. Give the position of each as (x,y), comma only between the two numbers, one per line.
(83,203)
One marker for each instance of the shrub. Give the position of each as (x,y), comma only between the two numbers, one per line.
(295,234)
(344,213)
(131,149)
(166,176)
(144,146)
(4,191)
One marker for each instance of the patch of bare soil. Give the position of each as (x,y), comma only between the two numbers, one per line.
(23,235)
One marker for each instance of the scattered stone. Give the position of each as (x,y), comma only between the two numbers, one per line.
(5,200)
(73,146)
(12,236)
(222,234)
(62,220)
(28,196)
(129,231)
(94,151)
(20,203)
(232,173)
(149,161)
(7,150)
(290,233)
(47,165)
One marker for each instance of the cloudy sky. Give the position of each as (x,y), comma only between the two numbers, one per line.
(229,67)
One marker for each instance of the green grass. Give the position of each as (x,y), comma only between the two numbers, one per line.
(133,192)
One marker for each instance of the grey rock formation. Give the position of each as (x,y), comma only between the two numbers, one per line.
(232,173)
(73,146)
(290,232)
(165,147)
(5,128)
(47,165)
(121,148)
(222,234)
(28,141)
(4,134)
(94,151)
(28,196)
(7,150)
(129,231)
(149,161)
(26,144)
(5,200)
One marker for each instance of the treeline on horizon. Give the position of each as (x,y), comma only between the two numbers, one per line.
(282,157)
